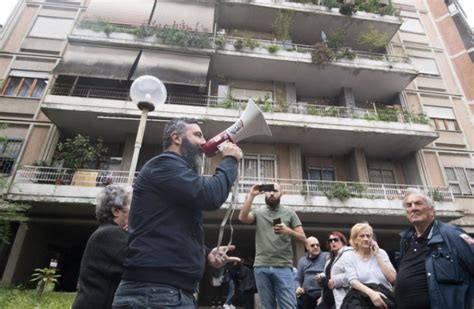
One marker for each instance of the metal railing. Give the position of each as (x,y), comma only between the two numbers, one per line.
(301,48)
(330,189)
(268,106)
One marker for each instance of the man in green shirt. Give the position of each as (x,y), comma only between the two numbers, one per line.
(276,225)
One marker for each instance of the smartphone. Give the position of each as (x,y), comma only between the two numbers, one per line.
(276,221)
(267,188)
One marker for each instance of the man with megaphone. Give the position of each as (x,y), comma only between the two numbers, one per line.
(166,253)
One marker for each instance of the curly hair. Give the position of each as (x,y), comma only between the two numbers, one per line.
(175,125)
(356,230)
(111,196)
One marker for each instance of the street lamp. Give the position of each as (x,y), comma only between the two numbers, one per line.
(147,92)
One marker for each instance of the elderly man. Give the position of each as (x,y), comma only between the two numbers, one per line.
(437,260)
(102,262)
(276,225)
(166,253)
(309,266)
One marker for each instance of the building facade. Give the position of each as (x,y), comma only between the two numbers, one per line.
(362,105)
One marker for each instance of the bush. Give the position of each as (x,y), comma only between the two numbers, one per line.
(322,54)
(238,44)
(272,48)
(12,298)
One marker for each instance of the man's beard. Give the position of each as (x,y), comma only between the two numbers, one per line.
(272,202)
(192,154)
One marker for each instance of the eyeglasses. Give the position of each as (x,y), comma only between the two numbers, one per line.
(314,245)
(335,239)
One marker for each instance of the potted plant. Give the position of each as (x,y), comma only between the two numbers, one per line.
(281,26)
(79,152)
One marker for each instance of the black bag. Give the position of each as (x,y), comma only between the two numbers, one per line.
(355,299)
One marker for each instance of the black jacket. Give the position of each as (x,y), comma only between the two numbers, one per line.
(165,222)
(101,267)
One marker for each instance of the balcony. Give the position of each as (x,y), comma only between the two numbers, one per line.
(49,185)
(309,20)
(372,76)
(90,109)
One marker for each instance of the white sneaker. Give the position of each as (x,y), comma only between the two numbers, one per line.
(226,306)
(231,306)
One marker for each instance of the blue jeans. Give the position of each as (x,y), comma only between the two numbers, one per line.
(275,285)
(135,294)
(230,293)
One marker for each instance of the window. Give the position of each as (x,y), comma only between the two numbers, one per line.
(321,173)
(25,84)
(460,180)
(412,25)
(381,176)
(51,27)
(425,65)
(9,151)
(258,167)
(443,118)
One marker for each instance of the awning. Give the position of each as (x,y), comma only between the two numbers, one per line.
(126,12)
(181,69)
(93,61)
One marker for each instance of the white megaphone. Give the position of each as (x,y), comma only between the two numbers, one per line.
(250,124)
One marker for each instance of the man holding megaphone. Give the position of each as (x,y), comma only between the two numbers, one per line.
(166,253)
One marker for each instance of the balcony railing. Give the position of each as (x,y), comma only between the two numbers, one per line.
(330,189)
(263,46)
(269,106)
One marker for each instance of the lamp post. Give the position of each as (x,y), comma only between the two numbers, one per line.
(147,92)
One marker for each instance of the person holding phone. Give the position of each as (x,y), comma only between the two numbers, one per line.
(369,272)
(276,226)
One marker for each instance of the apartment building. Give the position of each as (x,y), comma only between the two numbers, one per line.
(362,105)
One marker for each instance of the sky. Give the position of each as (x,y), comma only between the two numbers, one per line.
(6,7)
(468,7)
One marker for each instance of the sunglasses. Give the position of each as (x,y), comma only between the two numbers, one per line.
(335,239)
(314,245)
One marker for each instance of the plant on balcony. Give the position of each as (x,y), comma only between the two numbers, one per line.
(345,52)
(145,30)
(264,103)
(373,39)
(272,48)
(435,195)
(421,118)
(387,114)
(238,44)
(331,111)
(340,191)
(359,189)
(78,152)
(229,101)
(330,4)
(322,54)
(251,43)
(347,8)
(282,23)
(377,7)
(220,41)
(312,110)
(183,35)
(337,39)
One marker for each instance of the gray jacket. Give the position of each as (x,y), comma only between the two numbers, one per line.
(338,273)
(306,272)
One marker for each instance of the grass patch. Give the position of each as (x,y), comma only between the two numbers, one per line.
(21,298)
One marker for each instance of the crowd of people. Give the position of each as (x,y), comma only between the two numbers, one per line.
(149,251)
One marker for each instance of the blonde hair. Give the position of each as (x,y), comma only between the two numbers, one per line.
(355,231)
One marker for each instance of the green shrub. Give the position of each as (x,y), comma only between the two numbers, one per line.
(251,43)
(322,54)
(340,191)
(13,298)
(238,44)
(272,48)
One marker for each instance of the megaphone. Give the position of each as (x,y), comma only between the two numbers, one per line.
(251,123)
